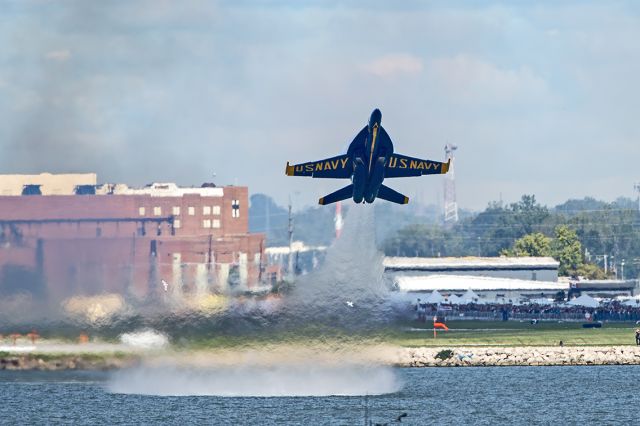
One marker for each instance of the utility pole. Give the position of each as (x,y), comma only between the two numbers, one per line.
(267,214)
(290,266)
(636,186)
(604,257)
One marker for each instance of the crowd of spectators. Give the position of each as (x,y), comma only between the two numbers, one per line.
(612,310)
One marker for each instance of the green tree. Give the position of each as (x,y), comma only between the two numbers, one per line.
(497,227)
(536,244)
(567,250)
(528,214)
(591,272)
(417,241)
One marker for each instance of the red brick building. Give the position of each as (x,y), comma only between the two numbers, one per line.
(128,241)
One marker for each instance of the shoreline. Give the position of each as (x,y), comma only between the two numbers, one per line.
(443,356)
(505,356)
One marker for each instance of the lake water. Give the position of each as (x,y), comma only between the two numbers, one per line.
(500,395)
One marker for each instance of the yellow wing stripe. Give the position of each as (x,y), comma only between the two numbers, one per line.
(289,170)
(445,167)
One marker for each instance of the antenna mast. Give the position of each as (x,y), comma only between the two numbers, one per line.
(450,204)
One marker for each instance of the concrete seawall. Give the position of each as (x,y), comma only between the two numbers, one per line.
(518,356)
(376,355)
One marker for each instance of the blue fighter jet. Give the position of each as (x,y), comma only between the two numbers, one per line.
(368,161)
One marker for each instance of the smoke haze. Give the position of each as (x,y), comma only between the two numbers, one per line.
(147,91)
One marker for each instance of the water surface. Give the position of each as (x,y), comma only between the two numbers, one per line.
(491,395)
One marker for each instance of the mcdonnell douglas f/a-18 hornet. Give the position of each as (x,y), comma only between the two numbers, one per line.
(368,161)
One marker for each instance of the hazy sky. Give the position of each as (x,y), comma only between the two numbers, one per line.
(540,97)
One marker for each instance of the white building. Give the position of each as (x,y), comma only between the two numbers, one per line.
(488,289)
(522,268)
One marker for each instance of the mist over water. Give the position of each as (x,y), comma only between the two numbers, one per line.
(278,380)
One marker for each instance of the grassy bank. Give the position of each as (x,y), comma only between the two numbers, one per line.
(407,334)
(515,333)
(414,334)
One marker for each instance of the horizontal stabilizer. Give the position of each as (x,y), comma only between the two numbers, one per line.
(389,194)
(339,195)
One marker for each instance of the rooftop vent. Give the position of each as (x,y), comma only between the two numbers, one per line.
(31,190)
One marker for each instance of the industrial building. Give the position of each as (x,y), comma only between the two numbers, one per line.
(63,235)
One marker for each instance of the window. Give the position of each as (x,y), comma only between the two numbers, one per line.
(141,211)
(192,210)
(235,208)
(157,211)
(206,210)
(215,223)
(206,223)
(176,210)
(176,223)
(216,210)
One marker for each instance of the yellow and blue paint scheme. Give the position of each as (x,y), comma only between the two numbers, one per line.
(368,161)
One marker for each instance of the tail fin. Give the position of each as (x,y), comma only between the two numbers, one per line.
(389,194)
(339,195)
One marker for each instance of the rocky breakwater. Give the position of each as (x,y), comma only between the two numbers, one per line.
(518,356)
(46,362)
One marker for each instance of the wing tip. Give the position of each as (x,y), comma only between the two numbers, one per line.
(406,200)
(288,170)
(445,166)
(321,201)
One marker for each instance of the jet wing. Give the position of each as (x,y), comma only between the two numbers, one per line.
(403,166)
(339,167)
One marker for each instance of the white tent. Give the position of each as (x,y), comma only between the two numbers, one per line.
(541,301)
(635,302)
(584,300)
(434,297)
(455,300)
(471,297)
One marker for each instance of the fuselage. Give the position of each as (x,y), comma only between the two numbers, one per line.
(369,156)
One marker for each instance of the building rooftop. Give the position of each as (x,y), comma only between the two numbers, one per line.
(467,282)
(296,246)
(156,189)
(47,183)
(71,183)
(468,263)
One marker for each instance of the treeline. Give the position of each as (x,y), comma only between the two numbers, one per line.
(578,233)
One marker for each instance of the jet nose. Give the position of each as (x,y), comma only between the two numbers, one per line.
(376,116)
